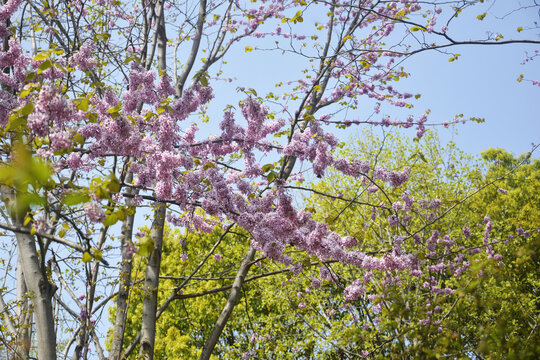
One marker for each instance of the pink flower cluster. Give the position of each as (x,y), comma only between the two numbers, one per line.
(83,59)
(94,212)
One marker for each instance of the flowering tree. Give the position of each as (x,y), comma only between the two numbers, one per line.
(96,100)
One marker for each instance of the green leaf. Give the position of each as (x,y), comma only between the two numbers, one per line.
(97,254)
(16,123)
(98,188)
(115,109)
(78,139)
(478,120)
(271,176)
(146,246)
(209,165)
(41,172)
(113,184)
(86,257)
(310,209)
(121,214)
(43,55)
(75,198)
(148,115)
(102,37)
(30,76)
(28,88)
(481,16)
(455,57)
(110,220)
(92,117)
(25,200)
(83,104)
(204,80)
(27,109)
(44,66)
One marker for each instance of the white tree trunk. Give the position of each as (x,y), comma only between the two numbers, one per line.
(123,291)
(151,285)
(229,306)
(41,292)
(24,314)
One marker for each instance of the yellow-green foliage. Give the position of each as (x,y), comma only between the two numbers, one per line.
(504,305)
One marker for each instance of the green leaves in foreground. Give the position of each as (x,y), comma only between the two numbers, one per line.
(28,176)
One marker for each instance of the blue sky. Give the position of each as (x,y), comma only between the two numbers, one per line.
(481,83)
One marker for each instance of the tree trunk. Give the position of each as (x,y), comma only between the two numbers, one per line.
(151,285)
(124,288)
(37,284)
(151,281)
(24,313)
(229,306)
(41,292)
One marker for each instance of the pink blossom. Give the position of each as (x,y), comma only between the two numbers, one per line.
(349,242)
(434,204)
(393,220)
(353,291)
(315,283)
(74,161)
(130,249)
(41,225)
(94,212)
(83,58)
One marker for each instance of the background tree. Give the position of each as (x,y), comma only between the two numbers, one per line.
(502,304)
